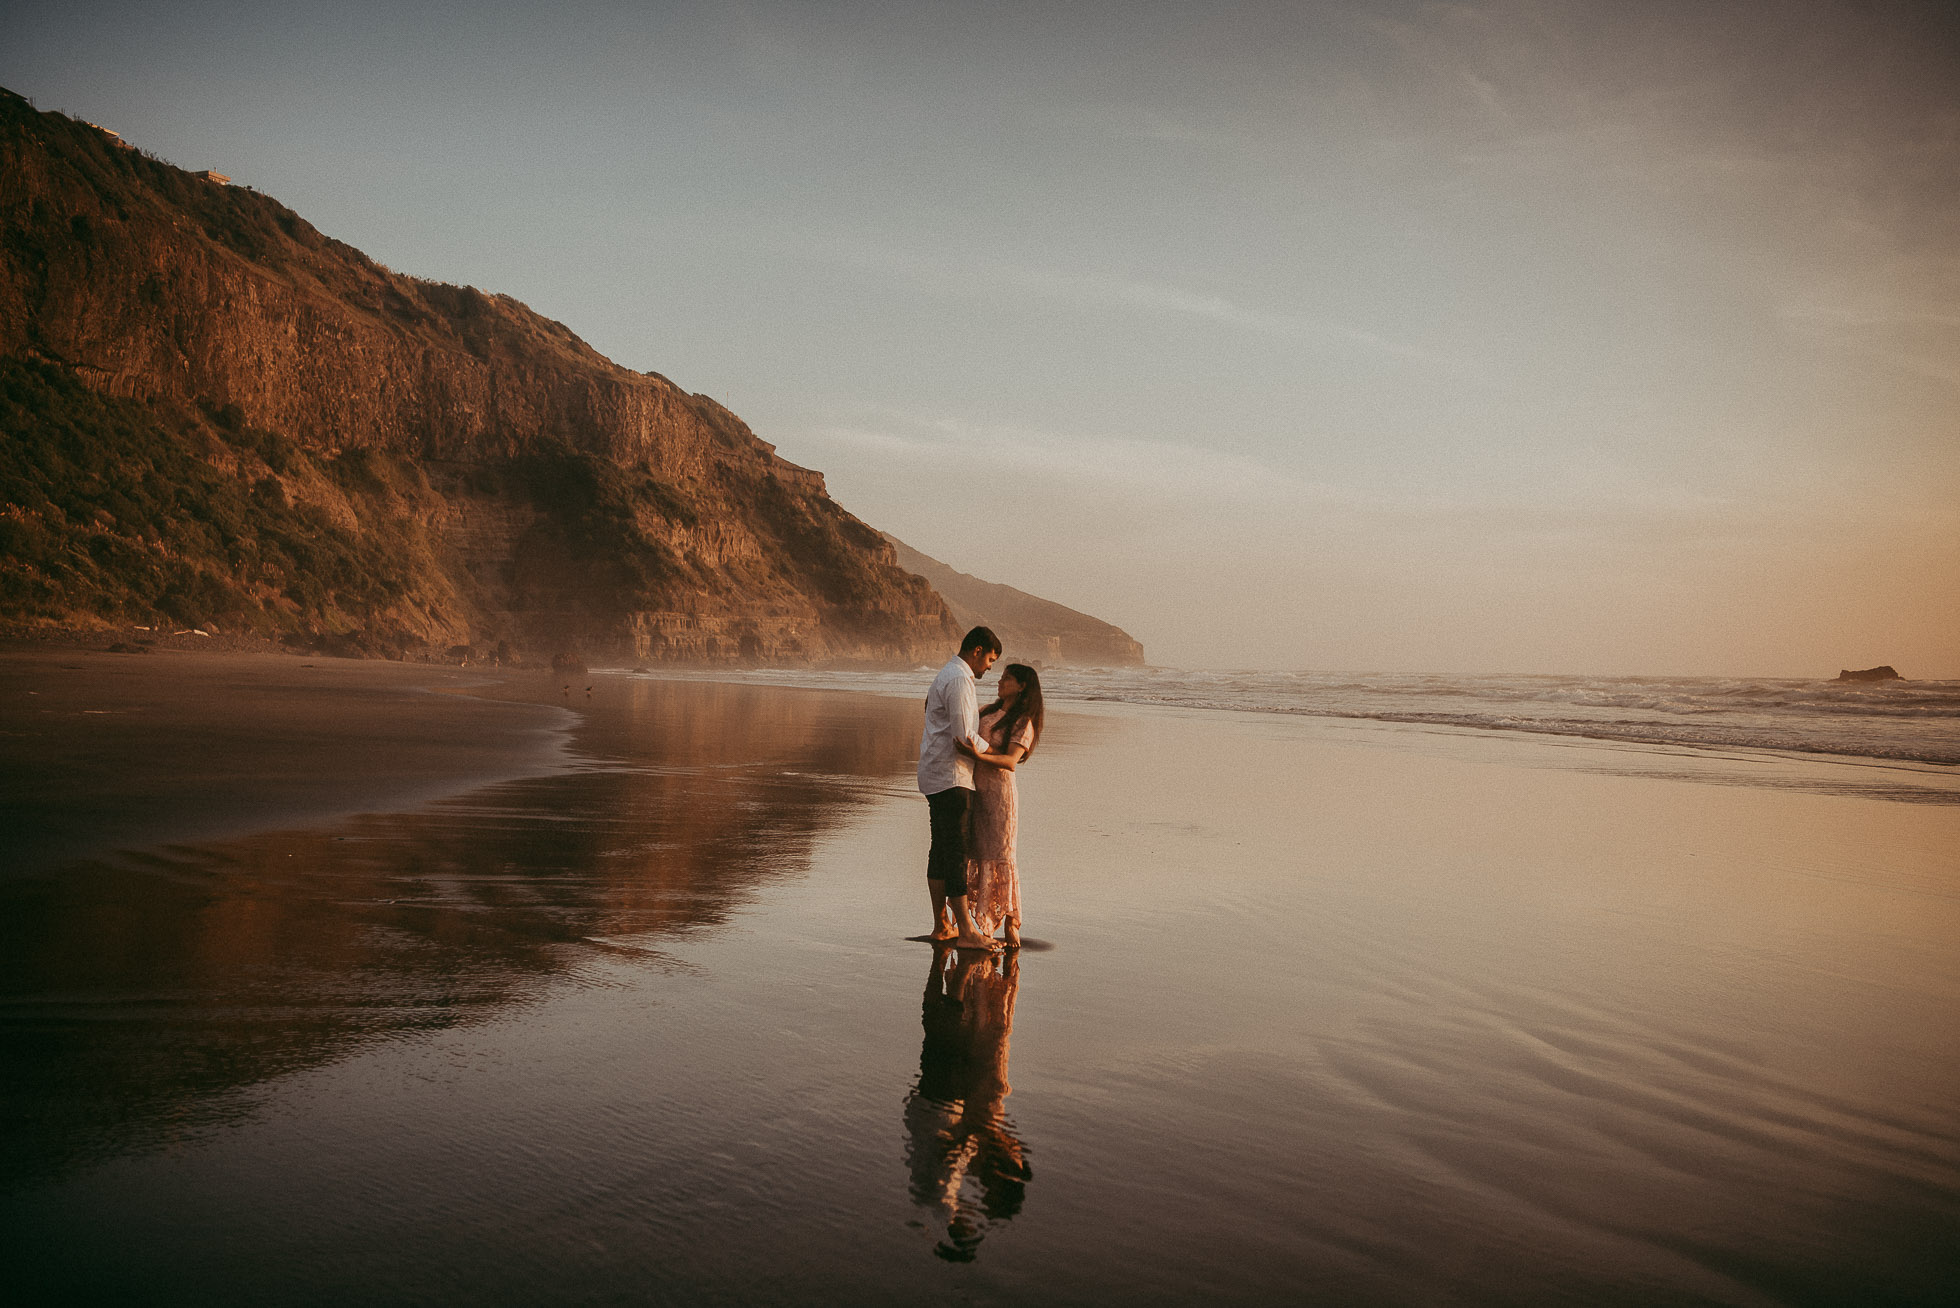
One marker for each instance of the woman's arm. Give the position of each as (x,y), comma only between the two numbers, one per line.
(1007,758)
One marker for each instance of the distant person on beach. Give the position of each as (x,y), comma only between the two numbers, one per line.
(946,751)
(1010,727)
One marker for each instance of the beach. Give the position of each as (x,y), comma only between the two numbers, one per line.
(453,985)
(169,746)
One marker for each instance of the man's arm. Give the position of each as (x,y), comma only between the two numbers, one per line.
(969,710)
(935,705)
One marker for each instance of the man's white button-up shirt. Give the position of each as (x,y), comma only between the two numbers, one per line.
(952,714)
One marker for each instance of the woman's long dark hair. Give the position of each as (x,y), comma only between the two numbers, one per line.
(1026,707)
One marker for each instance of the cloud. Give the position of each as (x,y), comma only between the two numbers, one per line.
(1187,480)
(1903,313)
(1150,125)
(1216,308)
(966,276)
(1105,467)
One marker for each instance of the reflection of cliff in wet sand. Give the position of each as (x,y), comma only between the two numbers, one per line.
(966,1160)
(151,991)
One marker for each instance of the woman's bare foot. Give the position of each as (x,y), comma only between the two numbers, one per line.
(977,941)
(1011,938)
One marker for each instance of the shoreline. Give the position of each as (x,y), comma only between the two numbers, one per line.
(132,641)
(1905,779)
(111,752)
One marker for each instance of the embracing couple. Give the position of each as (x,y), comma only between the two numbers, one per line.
(967,758)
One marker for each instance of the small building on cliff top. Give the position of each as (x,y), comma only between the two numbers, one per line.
(113,136)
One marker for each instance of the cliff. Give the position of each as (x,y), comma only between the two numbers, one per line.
(213,414)
(1032,629)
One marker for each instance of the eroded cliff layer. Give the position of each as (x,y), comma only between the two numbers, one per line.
(213,413)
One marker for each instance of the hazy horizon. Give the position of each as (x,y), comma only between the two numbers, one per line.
(1395,337)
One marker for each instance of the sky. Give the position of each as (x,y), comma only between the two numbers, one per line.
(1403,337)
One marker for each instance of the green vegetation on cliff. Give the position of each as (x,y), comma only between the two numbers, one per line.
(120,509)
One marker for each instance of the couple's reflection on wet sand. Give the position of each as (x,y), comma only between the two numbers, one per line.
(967,1163)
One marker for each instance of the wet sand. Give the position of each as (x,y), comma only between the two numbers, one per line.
(1354,1013)
(103,750)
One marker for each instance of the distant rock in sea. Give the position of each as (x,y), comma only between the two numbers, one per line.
(1885,673)
(1031,628)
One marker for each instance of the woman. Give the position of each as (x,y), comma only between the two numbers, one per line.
(1011,726)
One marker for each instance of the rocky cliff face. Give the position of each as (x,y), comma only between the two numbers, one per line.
(213,413)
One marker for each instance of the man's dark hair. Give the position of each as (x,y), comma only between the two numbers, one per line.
(981,638)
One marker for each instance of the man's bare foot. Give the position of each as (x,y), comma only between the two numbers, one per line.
(943,932)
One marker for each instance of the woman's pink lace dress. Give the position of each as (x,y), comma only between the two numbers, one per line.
(993,888)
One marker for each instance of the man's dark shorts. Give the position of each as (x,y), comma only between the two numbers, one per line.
(947,861)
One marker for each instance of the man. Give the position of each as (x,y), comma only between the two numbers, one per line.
(946,780)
